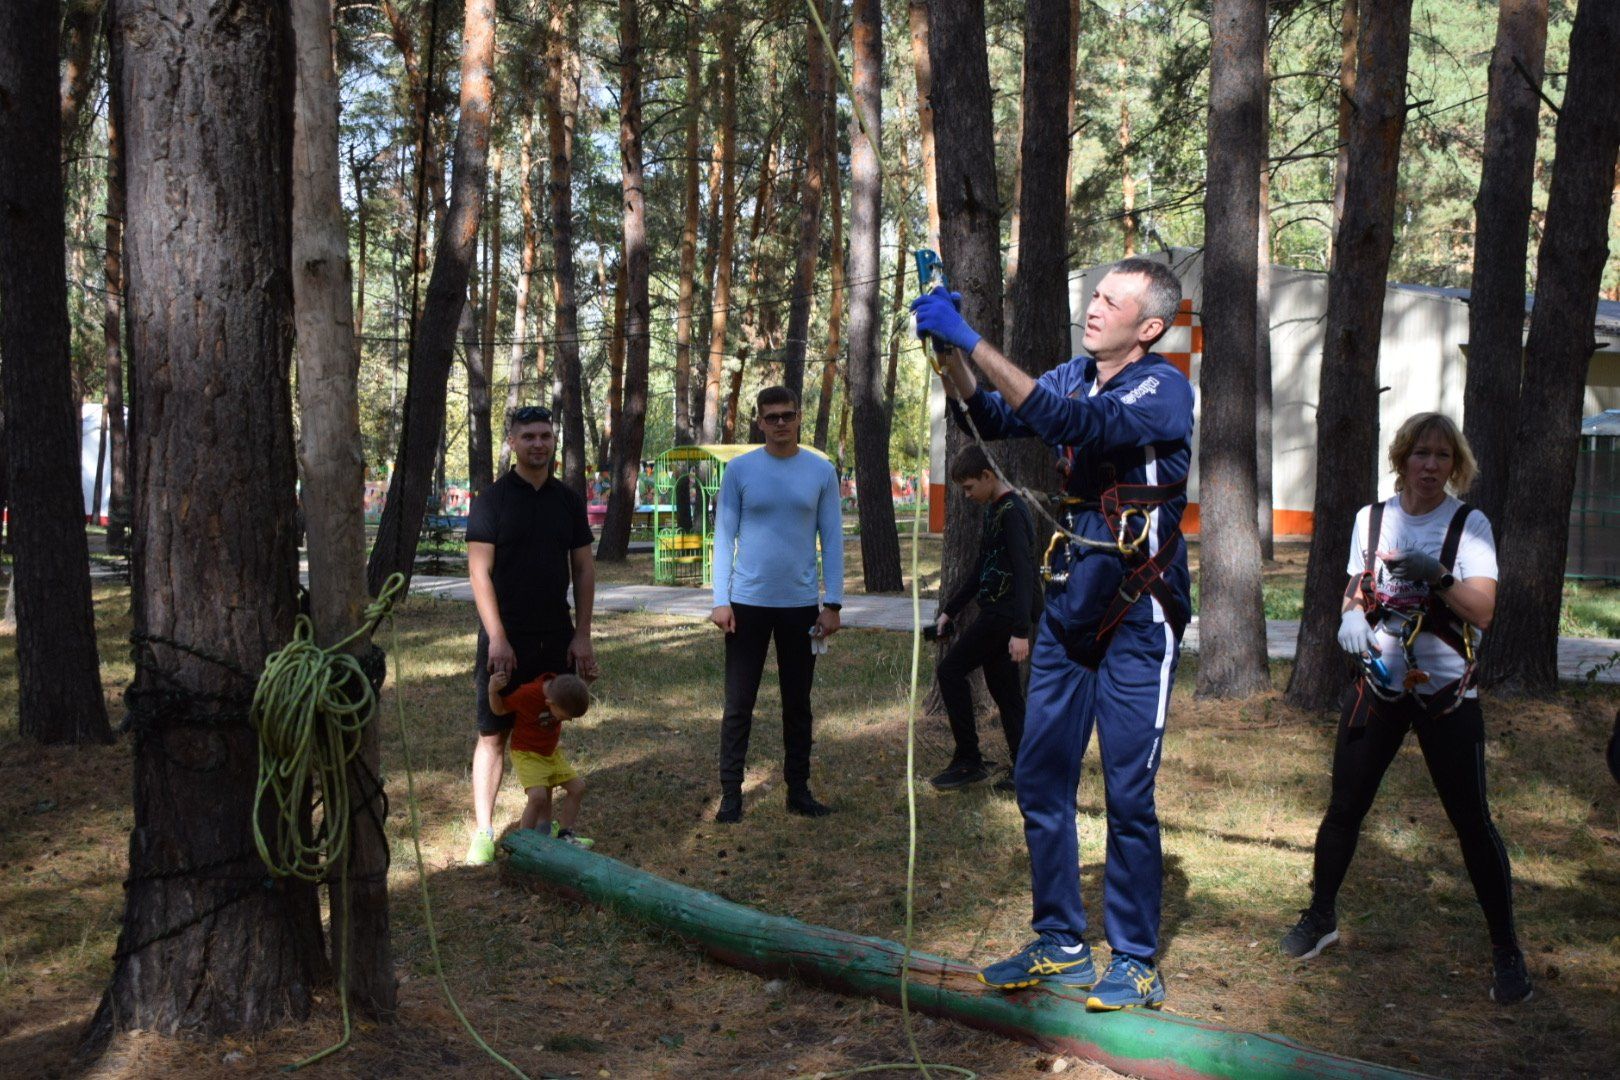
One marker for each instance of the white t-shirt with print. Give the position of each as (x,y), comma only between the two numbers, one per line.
(1402,532)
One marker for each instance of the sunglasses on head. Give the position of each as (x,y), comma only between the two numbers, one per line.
(531,414)
(778,417)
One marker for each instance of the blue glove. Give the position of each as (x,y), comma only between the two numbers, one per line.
(938,318)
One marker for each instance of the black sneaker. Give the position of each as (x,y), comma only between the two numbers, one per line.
(960,774)
(1310,935)
(730,811)
(801,802)
(1005,786)
(1511,984)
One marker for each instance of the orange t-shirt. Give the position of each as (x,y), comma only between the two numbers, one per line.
(535,729)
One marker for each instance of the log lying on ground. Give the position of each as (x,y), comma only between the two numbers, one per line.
(1144,1044)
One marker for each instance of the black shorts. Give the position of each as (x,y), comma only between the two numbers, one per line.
(537,654)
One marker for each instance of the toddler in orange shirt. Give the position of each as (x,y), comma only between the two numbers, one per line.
(541,706)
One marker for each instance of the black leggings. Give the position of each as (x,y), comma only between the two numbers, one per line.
(982,643)
(1454,750)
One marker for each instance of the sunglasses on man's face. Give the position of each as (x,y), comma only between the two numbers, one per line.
(778,417)
(531,414)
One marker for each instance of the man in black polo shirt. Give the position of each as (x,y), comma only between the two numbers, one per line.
(527,535)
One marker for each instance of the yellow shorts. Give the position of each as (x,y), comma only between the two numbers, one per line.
(541,770)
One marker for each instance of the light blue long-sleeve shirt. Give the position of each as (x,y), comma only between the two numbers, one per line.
(770,512)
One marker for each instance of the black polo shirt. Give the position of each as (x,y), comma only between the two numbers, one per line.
(534,530)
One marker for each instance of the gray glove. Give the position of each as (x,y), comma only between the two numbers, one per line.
(1414,566)
(1356,635)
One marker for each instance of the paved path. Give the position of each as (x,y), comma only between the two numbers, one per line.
(1576,656)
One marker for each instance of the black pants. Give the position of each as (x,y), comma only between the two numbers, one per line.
(1454,750)
(981,643)
(745,664)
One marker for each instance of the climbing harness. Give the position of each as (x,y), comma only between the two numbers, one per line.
(1406,621)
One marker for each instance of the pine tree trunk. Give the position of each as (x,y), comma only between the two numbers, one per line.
(1521,650)
(630,431)
(687,287)
(112,329)
(711,248)
(835,274)
(1038,297)
(969,219)
(81,20)
(59,698)
(562,104)
(1262,335)
(333,472)
(721,302)
(880,544)
(1348,47)
(1501,238)
(902,263)
(922,66)
(515,384)
(1232,624)
(481,376)
(422,426)
(815,156)
(1347,400)
(206,946)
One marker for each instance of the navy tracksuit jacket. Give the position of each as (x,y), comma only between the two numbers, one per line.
(1135,430)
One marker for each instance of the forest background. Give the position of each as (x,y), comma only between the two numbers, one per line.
(1136,184)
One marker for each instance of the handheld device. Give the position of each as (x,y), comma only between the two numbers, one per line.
(931,275)
(818,641)
(1375,668)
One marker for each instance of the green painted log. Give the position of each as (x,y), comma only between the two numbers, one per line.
(1148,1044)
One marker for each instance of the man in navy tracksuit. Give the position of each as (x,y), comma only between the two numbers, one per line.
(1105,653)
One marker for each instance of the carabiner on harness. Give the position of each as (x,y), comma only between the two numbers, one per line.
(1128,545)
(1048,574)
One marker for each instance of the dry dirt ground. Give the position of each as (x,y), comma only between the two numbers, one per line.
(566,991)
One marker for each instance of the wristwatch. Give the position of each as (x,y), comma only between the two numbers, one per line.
(837,607)
(1447,580)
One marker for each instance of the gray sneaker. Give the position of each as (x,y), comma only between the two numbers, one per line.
(1312,934)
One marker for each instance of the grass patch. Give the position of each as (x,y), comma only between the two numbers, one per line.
(569,991)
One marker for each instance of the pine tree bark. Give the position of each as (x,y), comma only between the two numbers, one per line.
(922,67)
(1347,400)
(835,286)
(1501,239)
(1521,650)
(880,543)
(59,697)
(629,431)
(112,331)
(333,471)
(1349,29)
(687,287)
(814,104)
(515,383)
(1232,624)
(81,23)
(1038,296)
(562,113)
(206,946)
(481,376)
(422,426)
(721,296)
(969,219)
(1262,334)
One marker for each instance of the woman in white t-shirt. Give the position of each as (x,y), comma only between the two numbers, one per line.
(1420,687)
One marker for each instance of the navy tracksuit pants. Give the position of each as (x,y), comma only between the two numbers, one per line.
(1126,700)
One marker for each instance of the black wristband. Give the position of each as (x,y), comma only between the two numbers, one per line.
(833,607)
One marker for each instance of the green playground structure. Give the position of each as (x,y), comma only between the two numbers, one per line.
(686,482)
(1146,1044)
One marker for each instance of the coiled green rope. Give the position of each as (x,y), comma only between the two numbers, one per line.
(310,709)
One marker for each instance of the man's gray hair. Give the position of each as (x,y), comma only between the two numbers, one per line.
(1161,299)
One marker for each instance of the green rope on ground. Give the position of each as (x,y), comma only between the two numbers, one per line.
(421,869)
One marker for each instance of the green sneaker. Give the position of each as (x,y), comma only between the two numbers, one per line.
(569,836)
(481,850)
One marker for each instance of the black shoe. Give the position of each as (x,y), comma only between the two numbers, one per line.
(959,774)
(1512,982)
(730,810)
(800,801)
(1312,934)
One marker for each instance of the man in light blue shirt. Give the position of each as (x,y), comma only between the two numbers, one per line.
(774,504)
